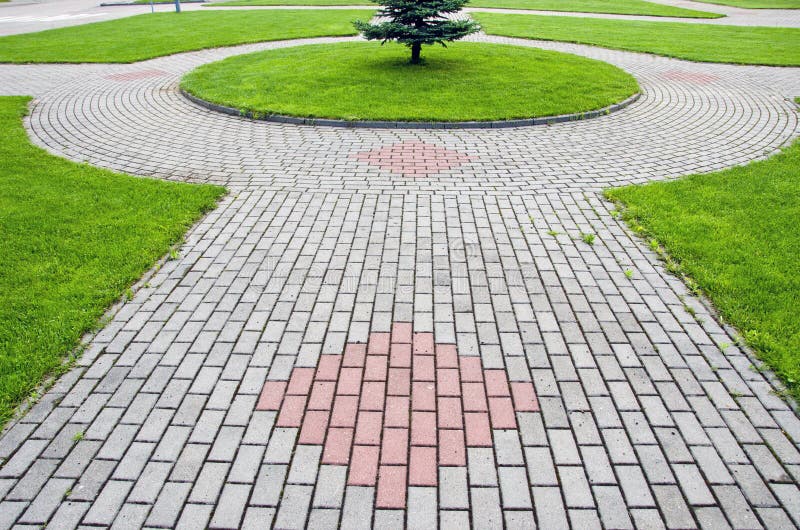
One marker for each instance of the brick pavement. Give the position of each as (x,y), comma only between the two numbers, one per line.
(636,407)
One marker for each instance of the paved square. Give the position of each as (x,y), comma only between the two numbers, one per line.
(341,345)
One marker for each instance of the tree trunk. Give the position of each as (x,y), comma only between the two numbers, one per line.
(416,48)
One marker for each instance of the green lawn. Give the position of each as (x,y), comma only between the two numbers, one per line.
(735,233)
(622,7)
(695,42)
(146,36)
(74,238)
(757,4)
(360,80)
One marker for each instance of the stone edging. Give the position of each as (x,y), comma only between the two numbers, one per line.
(368,124)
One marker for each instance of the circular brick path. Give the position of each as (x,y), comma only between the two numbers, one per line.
(388,328)
(692,117)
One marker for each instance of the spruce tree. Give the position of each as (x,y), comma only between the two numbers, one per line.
(418,22)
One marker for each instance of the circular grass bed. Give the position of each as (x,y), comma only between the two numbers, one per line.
(367,81)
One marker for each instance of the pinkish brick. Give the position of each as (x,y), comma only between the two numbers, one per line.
(479,434)
(271,395)
(524,397)
(372,395)
(448,382)
(423,369)
(401,332)
(423,428)
(452,451)
(354,355)
(368,428)
(397,411)
(449,412)
(315,423)
(496,383)
(364,466)
(328,368)
(422,467)
(376,368)
(337,446)
(474,397)
(300,382)
(400,355)
(394,447)
(391,487)
(446,356)
(322,395)
(344,413)
(399,382)
(423,396)
(423,343)
(291,414)
(350,381)
(471,369)
(378,344)
(502,412)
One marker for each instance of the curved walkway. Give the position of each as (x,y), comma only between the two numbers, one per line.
(401,327)
(22,16)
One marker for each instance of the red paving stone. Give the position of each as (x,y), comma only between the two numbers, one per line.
(301,380)
(397,408)
(354,355)
(315,423)
(364,467)
(693,78)
(368,428)
(397,414)
(400,356)
(422,468)
(423,428)
(136,76)
(376,368)
(413,159)
(391,487)
(271,395)
(337,446)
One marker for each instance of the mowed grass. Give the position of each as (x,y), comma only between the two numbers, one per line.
(146,36)
(622,7)
(364,80)
(756,4)
(695,42)
(735,233)
(73,239)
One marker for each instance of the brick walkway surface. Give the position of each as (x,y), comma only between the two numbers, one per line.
(405,327)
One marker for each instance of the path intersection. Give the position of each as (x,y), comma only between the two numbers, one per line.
(399,327)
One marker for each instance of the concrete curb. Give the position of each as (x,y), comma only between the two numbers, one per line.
(368,124)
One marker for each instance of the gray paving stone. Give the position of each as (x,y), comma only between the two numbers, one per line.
(422,508)
(550,511)
(231,506)
(313,248)
(357,511)
(453,488)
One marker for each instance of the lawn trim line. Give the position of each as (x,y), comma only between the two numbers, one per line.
(73,358)
(694,290)
(397,124)
(118,4)
(652,54)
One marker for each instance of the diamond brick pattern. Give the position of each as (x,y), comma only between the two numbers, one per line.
(137,75)
(276,323)
(397,408)
(695,78)
(413,159)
